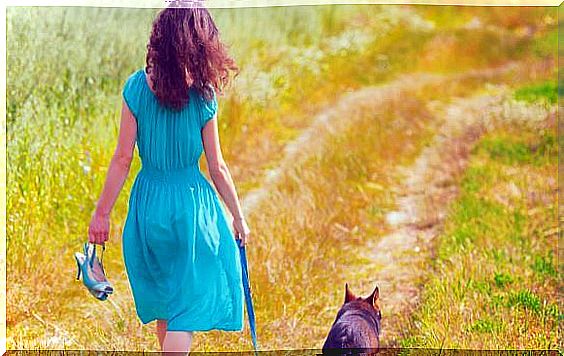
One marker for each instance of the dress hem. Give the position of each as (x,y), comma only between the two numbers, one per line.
(223,328)
(226,328)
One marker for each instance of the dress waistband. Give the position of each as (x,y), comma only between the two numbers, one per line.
(171,175)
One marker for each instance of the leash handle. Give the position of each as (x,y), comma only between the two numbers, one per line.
(248,296)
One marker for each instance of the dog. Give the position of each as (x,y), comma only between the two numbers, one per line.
(356,328)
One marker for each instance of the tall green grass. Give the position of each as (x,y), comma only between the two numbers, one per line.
(544,92)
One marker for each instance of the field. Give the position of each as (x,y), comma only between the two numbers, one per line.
(413,147)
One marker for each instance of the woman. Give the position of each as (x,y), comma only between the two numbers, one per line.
(180,255)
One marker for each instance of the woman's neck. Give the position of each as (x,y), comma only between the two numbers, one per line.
(150,80)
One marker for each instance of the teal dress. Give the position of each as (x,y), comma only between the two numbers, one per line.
(180,254)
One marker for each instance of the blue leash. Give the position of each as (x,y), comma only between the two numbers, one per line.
(248,298)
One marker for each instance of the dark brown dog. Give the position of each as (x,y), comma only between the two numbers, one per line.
(356,328)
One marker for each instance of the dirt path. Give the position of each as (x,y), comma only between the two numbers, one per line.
(429,185)
(427,189)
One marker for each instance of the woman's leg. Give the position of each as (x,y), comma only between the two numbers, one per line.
(177,341)
(161,332)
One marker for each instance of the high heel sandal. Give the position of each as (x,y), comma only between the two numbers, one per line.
(92,270)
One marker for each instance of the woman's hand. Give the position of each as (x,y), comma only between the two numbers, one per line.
(241,230)
(99,229)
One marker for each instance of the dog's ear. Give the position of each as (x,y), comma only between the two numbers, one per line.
(349,296)
(372,298)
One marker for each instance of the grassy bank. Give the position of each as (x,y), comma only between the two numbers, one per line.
(495,279)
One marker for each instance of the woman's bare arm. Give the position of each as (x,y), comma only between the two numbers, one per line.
(98,231)
(221,177)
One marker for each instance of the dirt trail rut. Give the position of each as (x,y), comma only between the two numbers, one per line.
(329,121)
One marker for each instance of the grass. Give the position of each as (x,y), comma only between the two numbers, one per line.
(495,284)
(510,149)
(543,92)
(62,121)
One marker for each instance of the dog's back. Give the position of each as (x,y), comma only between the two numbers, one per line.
(356,327)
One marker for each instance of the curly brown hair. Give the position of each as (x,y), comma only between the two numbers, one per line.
(184,51)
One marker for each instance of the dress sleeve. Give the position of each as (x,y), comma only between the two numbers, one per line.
(209,108)
(131,93)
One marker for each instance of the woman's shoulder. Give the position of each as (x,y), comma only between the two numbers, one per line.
(135,76)
(208,106)
(132,88)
